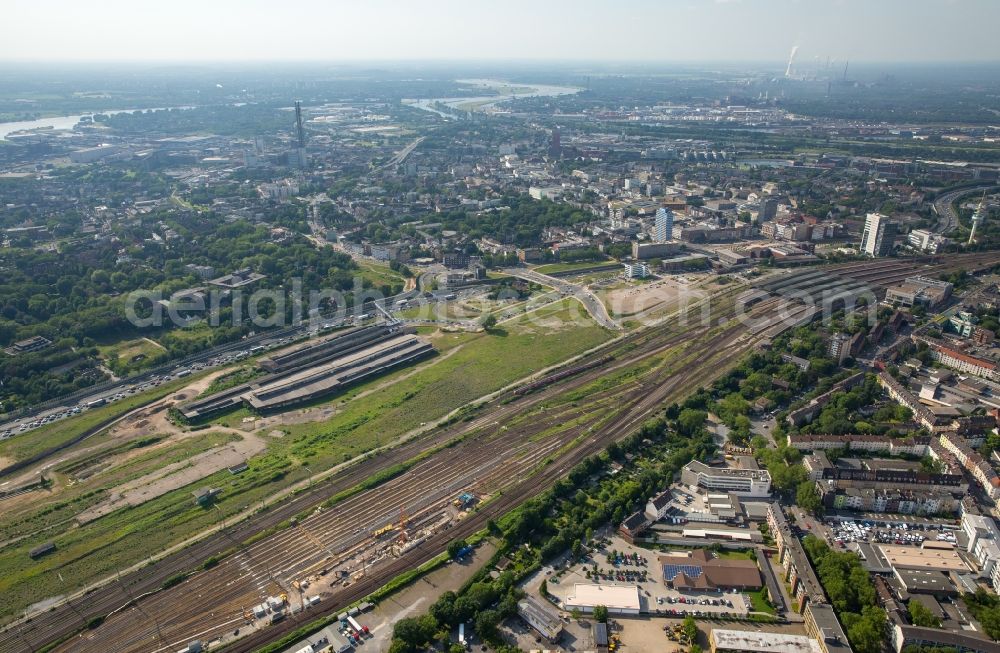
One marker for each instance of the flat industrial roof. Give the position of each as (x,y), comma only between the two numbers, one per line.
(933,581)
(622,597)
(748,640)
(914,557)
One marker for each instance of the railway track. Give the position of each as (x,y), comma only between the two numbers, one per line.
(71,615)
(637,412)
(253,564)
(291,555)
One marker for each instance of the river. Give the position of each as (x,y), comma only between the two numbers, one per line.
(62,122)
(537,90)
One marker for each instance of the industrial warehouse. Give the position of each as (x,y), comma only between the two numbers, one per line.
(318,370)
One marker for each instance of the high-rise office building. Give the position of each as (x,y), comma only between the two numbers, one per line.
(663,228)
(555,144)
(879,235)
(768,209)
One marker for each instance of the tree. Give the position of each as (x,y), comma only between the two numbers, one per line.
(690,629)
(415,633)
(576,614)
(601,614)
(691,421)
(454,547)
(543,589)
(807,497)
(488,321)
(866,632)
(921,616)
(486,623)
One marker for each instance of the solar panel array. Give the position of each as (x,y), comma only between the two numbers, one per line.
(670,571)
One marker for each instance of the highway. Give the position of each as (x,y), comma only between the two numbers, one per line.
(592,303)
(943,206)
(402,154)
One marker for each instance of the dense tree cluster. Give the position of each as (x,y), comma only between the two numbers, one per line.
(985,607)
(851,592)
(79,294)
(521,223)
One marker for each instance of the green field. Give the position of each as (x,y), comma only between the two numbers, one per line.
(121,357)
(379,275)
(468,365)
(566,267)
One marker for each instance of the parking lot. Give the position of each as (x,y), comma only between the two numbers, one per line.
(622,564)
(841,533)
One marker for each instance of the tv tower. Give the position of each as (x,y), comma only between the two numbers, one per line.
(297,158)
(298,124)
(977,217)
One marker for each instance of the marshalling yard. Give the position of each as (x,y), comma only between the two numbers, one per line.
(317,558)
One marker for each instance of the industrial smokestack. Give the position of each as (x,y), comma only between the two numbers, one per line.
(791,59)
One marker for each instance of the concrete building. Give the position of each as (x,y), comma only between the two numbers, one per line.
(903,635)
(547,192)
(646,251)
(919,291)
(890,500)
(878,236)
(839,347)
(636,271)
(657,507)
(530,255)
(963,362)
(91,154)
(742,482)
(663,226)
(201,271)
(28,345)
(540,617)
(822,625)
(984,544)
(931,556)
(973,463)
(730,258)
(768,209)
(926,241)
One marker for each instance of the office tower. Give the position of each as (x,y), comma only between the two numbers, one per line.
(878,236)
(768,209)
(663,229)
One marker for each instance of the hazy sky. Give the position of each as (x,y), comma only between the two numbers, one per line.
(648,30)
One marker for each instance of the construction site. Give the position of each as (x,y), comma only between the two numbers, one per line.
(330,546)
